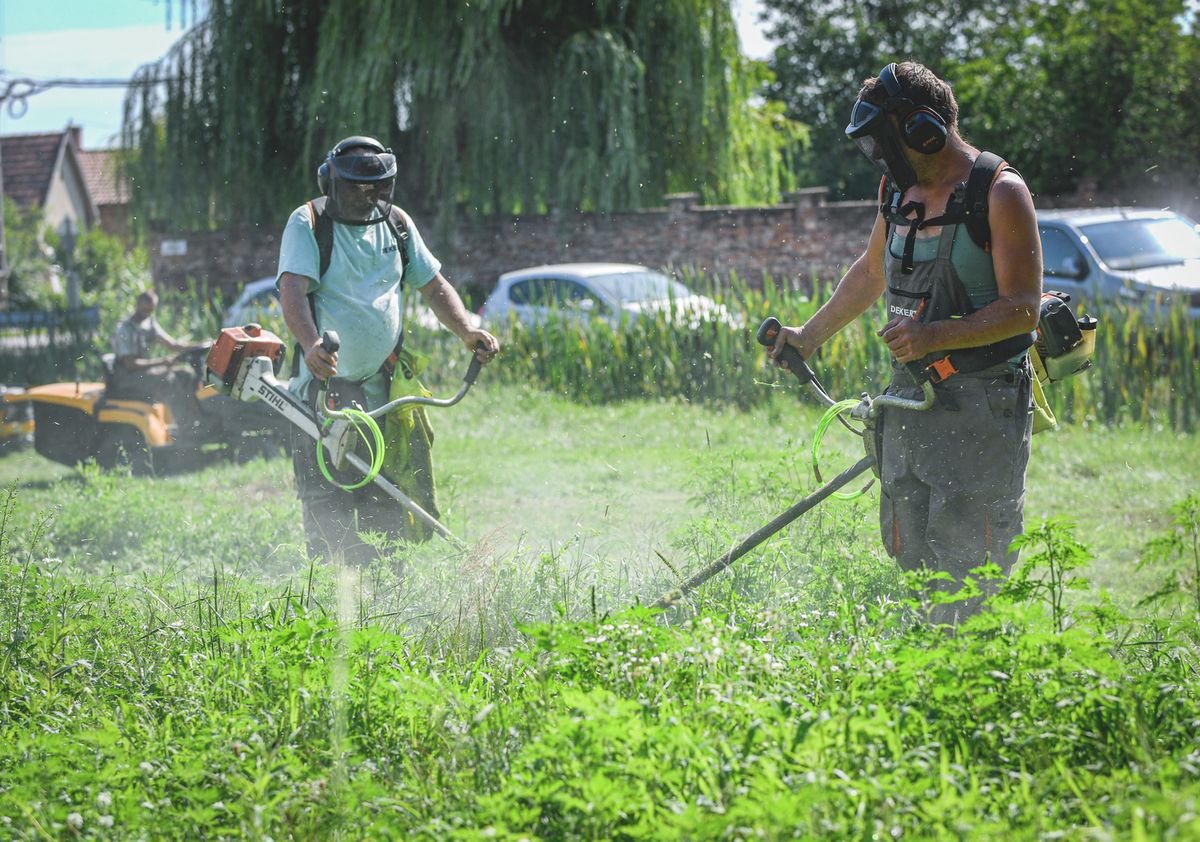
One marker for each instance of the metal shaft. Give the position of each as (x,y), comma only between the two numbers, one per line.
(809,502)
(405,501)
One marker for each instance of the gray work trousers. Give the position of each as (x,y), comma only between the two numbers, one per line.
(952,478)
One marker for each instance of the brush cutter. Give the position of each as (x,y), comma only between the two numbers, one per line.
(865,410)
(243,363)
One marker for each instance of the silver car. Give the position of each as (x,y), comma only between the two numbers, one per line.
(614,292)
(1147,258)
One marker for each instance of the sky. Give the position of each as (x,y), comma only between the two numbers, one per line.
(110,39)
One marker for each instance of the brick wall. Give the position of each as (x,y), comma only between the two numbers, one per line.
(796,240)
(803,238)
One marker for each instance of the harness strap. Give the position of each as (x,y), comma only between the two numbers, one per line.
(971,360)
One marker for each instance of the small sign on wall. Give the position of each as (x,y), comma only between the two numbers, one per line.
(173,248)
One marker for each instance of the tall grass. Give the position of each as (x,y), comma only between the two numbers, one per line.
(1142,372)
(471,699)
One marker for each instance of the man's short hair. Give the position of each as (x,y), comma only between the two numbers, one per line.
(921,85)
(148,295)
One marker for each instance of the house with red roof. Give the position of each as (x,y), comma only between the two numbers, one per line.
(110,191)
(45,170)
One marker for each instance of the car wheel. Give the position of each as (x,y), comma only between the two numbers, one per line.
(121,445)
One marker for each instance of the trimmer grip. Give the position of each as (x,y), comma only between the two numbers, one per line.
(330,341)
(476,365)
(767,333)
(918,372)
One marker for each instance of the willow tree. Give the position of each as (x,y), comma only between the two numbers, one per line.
(495,105)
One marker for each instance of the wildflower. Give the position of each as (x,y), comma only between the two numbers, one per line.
(74,821)
(146,767)
(104,801)
(105,821)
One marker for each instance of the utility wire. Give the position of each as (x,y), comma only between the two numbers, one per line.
(15,93)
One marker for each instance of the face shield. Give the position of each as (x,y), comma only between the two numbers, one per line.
(361,183)
(876,137)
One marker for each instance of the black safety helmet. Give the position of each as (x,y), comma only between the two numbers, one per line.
(360,160)
(921,128)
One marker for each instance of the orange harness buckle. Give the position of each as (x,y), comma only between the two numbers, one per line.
(939,370)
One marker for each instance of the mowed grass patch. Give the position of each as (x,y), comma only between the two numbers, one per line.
(524,472)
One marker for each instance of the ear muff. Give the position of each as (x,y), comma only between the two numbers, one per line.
(924,131)
(323,178)
(921,128)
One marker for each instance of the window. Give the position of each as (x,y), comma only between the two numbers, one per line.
(535,292)
(641,286)
(1143,243)
(1060,256)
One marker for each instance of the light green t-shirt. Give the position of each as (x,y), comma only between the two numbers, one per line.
(361,295)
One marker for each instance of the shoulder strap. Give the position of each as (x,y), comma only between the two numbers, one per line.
(322,225)
(397,223)
(984,172)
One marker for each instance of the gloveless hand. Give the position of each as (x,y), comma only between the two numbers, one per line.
(908,340)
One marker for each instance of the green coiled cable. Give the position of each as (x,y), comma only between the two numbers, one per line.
(822,426)
(359,419)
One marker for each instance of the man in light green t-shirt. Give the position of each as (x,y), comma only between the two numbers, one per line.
(371,264)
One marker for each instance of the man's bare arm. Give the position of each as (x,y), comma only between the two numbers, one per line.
(446,304)
(293,300)
(858,289)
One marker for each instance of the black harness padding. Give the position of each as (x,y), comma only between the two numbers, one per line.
(968,206)
(322,226)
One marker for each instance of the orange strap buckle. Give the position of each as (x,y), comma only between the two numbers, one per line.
(941,369)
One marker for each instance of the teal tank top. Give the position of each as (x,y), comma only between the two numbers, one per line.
(973,264)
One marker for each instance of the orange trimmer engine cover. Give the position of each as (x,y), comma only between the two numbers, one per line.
(235,345)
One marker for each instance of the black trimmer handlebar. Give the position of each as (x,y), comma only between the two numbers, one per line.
(475,366)
(767,333)
(330,341)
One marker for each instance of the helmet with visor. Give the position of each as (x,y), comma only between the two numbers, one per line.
(358,175)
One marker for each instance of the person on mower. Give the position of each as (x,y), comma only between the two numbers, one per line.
(345,261)
(139,376)
(952,478)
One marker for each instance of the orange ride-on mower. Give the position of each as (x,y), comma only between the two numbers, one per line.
(16,418)
(77,421)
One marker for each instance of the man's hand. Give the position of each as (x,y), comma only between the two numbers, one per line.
(473,336)
(320,362)
(793,336)
(907,339)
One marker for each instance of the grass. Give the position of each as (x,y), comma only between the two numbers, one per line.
(171,666)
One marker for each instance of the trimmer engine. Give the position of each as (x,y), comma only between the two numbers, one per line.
(234,346)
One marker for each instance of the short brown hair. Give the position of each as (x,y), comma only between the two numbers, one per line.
(921,85)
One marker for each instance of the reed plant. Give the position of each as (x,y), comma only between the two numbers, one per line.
(1144,372)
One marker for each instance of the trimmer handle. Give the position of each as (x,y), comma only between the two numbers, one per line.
(767,333)
(918,372)
(476,364)
(330,341)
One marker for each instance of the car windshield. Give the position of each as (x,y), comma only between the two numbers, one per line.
(628,287)
(1144,243)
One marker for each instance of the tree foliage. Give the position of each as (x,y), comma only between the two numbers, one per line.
(1070,91)
(500,105)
